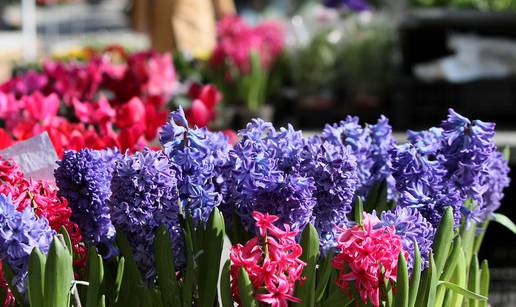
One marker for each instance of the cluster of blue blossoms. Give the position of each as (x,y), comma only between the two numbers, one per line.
(20,232)
(300,179)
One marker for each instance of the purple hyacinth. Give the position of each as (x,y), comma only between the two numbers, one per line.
(468,146)
(382,144)
(412,227)
(199,154)
(495,176)
(262,175)
(333,168)
(84,179)
(20,232)
(145,197)
(286,144)
(354,5)
(428,142)
(421,183)
(371,146)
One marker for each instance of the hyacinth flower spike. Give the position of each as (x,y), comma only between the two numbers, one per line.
(270,260)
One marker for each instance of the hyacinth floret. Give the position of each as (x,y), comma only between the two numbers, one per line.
(199,154)
(84,179)
(428,142)
(411,227)
(333,169)
(20,232)
(145,196)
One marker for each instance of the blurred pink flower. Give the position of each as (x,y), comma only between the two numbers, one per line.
(236,40)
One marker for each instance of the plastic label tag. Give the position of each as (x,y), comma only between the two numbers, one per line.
(35,156)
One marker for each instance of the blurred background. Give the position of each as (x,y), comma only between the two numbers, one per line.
(307,63)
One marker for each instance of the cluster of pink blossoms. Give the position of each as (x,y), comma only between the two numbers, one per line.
(272,261)
(42,197)
(236,40)
(367,255)
(112,99)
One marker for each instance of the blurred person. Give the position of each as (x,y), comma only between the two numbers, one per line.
(188,25)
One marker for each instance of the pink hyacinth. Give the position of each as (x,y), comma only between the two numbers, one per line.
(271,260)
(366,250)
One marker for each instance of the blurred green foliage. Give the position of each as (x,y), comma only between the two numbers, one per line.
(484,5)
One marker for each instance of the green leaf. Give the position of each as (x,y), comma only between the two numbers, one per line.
(188,280)
(451,262)
(358,211)
(245,289)
(387,289)
(505,221)
(102,302)
(427,289)
(468,241)
(460,290)
(377,198)
(165,267)
(134,291)
(332,287)
(58,274)
(480,237)
(237,233)
(95,278)
(401,299)
(416,276)
(36,278)
(443,240)
(66,239)
(337,298)
(310,244)
(118,279)
(210,260)
(323,276)
(225,286)
(507,153)
(458,278)
(450,265)
(157,300)
(474,280)
(432,289)
(484,282)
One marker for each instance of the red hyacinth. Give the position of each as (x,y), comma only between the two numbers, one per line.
(271,260)
(368,254)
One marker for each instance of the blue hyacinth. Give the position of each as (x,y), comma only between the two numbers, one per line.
(84,179)
(20,233)
(411,227)
(145,196)
(263,175)
(199,154)
(334,170)
(371,146)
(468,147)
